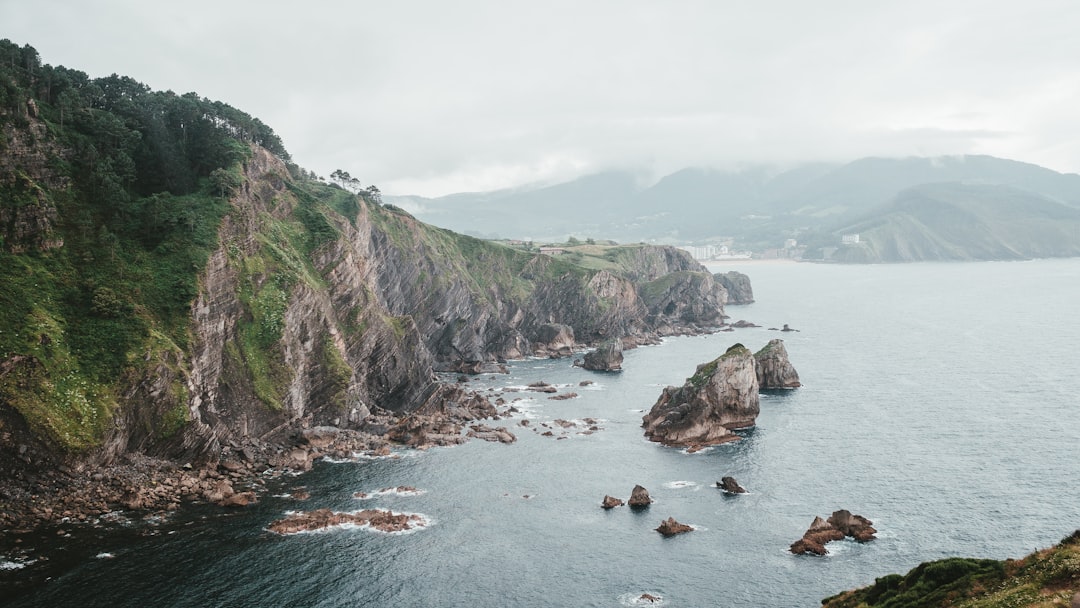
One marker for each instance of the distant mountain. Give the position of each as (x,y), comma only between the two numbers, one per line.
(757,206)
(957,221)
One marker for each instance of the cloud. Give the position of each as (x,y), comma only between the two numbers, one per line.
(431,97)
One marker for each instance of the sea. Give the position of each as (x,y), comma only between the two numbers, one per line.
(939,400)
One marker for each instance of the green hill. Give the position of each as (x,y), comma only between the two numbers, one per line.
(1044,579)
(958,221)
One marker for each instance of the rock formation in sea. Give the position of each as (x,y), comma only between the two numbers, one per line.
(670,527)
(729,485)
(840,524)
(720,396)
(607,357)
(774,370)
(639,497)
(320,519)
(610,502)
(737,285)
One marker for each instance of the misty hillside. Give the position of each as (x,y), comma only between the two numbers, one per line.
(758,206)
(955,221)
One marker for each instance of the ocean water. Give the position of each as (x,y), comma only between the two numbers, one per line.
(939,400)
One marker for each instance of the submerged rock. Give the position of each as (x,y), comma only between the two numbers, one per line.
(773,368)
(720,396)
(607,357)
(639,497)
(670,527)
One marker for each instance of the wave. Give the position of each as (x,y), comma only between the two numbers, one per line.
(15,564)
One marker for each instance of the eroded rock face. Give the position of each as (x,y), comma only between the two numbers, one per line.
(720,396)
(607,357)
(554,339)
(840,524)
(737,285)
(774,370)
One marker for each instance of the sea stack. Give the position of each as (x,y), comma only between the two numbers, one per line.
(720,396)
(774,371)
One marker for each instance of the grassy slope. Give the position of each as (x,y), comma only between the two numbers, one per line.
(965,222)
(1041,580)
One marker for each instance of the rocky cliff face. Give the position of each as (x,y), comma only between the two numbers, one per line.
(774,370)
(319,308)
(737,285)
(720,396)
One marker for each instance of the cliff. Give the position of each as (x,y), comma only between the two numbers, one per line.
(737,285)
(171,285)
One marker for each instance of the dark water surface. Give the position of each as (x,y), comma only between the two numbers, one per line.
(939,400)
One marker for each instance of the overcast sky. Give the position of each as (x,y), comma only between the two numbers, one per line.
(446,96)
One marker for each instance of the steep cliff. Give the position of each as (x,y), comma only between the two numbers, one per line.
(171,285)
(737,285)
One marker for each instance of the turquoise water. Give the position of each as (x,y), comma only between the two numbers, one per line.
(939,401)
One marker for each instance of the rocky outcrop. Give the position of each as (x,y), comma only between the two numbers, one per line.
(607,357)
(639,497)
(840,524)
(610,502)
(729,485)
(320,519)
(684,302)
(670,527)
(774,370)
(737,285)
(720,396)
(554,340)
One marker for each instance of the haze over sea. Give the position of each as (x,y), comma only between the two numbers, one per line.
(939,400)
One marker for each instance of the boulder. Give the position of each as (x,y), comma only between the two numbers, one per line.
(320,437)
(670,527)
(607,357)
(742,324)
(554,339)
(639,497)
(774,370)
(610,502)
(729,485)
(240,499)
(720,396)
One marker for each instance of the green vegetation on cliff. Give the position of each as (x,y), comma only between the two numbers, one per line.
(1045,578)
(120,207)
(110,200)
